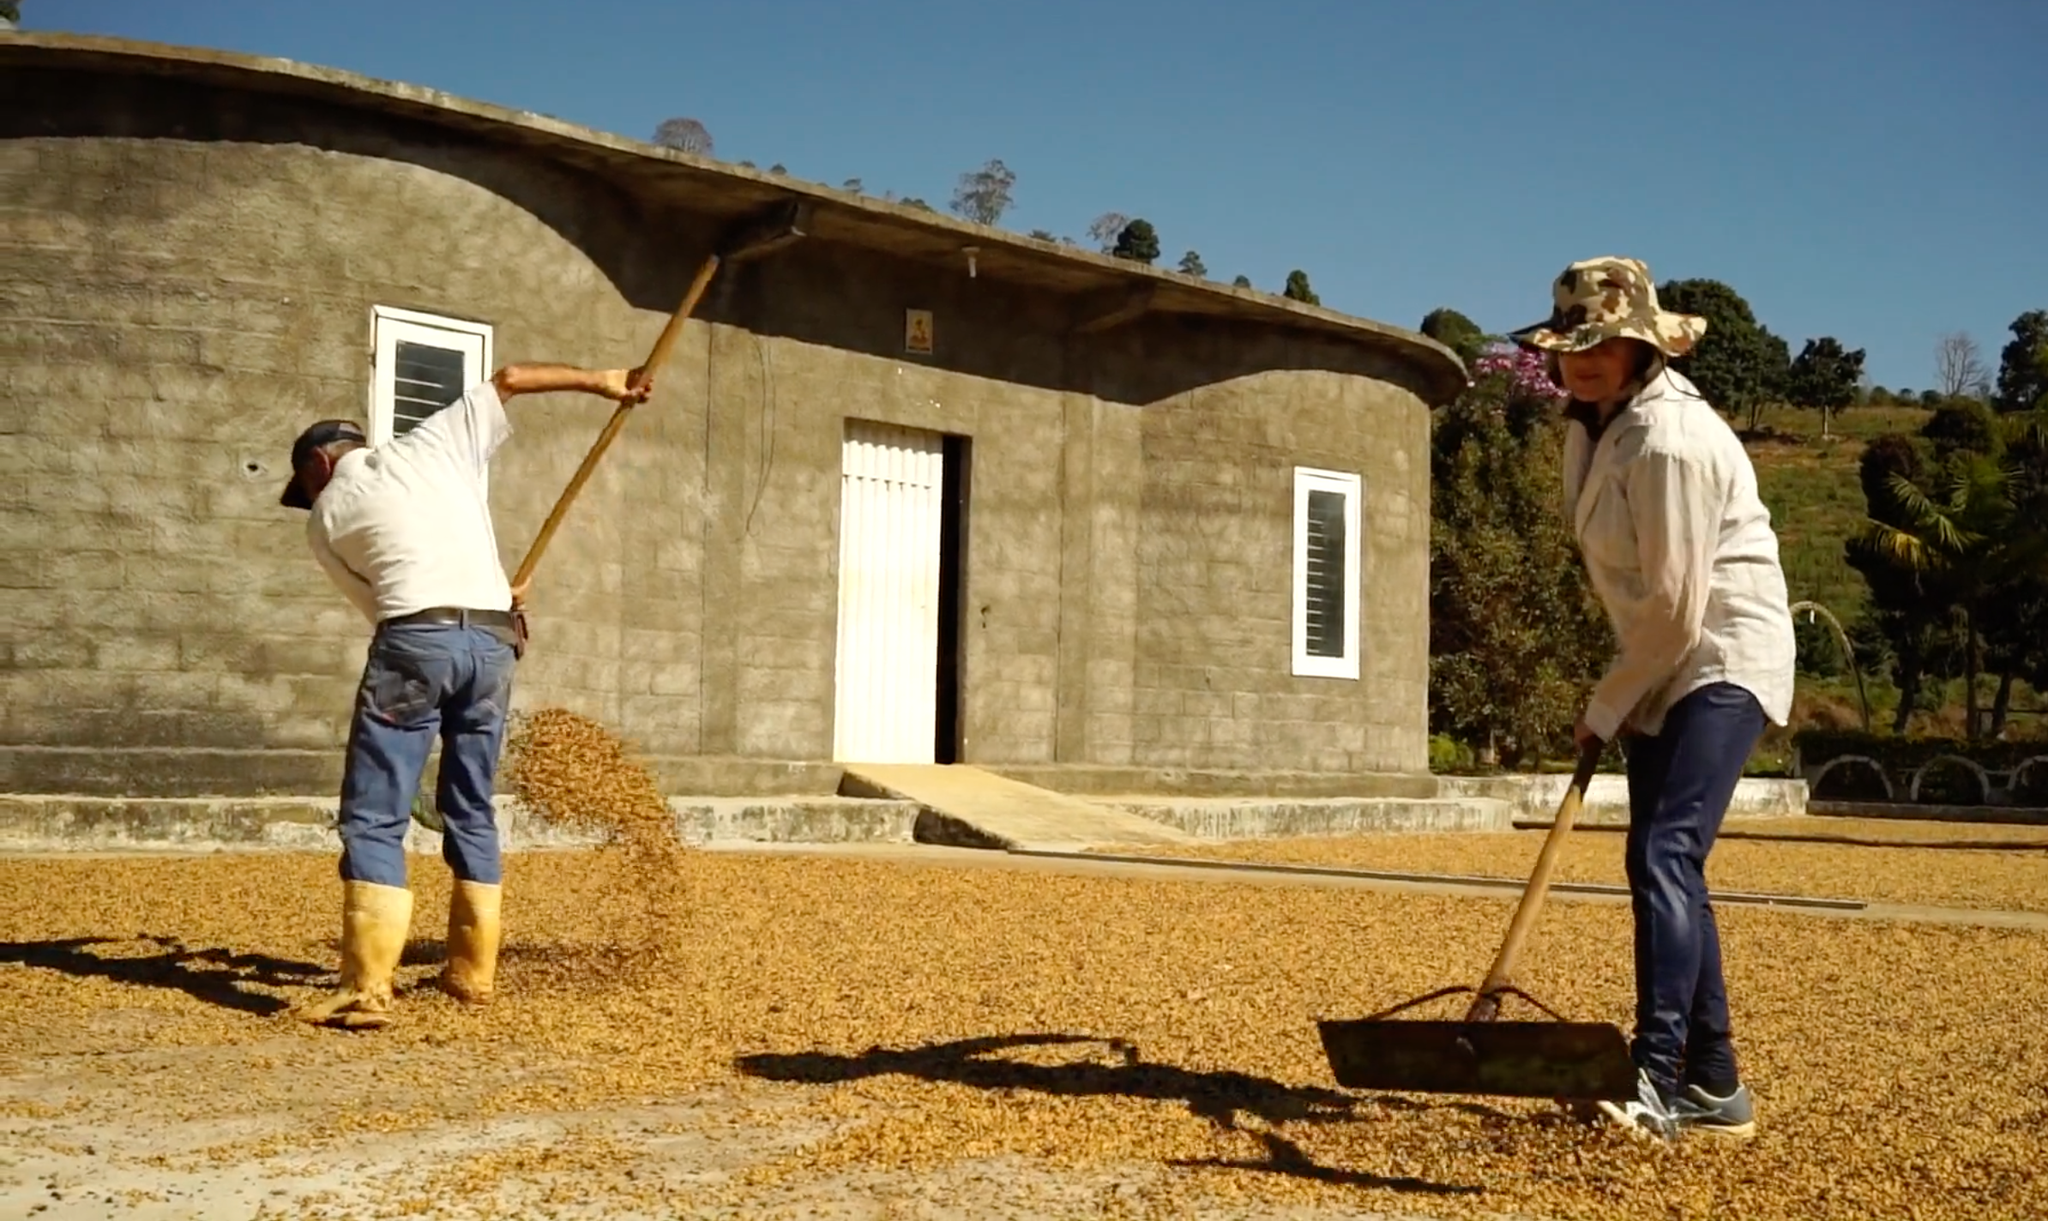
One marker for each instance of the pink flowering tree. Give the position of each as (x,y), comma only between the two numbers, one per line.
(1508,371)
(1515,638)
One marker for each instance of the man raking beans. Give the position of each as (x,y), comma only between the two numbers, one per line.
(404,530)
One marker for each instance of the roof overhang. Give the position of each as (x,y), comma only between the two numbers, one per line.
(1106,291)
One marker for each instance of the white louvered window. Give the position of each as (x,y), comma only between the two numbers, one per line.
(421,363)
(1326,572)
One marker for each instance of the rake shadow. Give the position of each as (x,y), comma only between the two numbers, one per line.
(215,976)
(1217,1097)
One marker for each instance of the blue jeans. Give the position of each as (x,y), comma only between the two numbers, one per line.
(422,681)
(1679,784)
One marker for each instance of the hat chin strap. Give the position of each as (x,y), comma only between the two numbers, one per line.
(1638,382)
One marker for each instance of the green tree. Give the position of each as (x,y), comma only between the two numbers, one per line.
(1824,376)
(2023,364)
(1298,290)
(1191,265)
(10,12)
(1043,235)
(1242,282)
(1970,533)
(1902,608)
(1515,637)
(983,195)
(1961,426)
(1456,332)
(1738,364)
(1138,242)
(2015,619)
(912,201)
(1950,534)
(2015,629)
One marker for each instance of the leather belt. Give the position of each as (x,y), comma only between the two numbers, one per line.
(454,616)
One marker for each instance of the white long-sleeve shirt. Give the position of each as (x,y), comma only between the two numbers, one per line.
(1680,550)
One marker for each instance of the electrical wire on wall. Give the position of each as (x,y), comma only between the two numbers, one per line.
(763,359)
(704,501)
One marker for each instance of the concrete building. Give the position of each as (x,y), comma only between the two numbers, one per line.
(910,489)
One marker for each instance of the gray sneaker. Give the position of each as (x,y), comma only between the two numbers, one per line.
(1733,1116)
(1649,1114)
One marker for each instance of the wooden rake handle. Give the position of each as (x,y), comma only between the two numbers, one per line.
(654,361)
(1486,1006)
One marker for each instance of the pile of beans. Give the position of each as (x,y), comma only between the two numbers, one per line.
(914,1018)
(1876,860)
(576,774)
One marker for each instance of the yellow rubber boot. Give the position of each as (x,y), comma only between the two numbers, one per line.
(473,939)
(374,923)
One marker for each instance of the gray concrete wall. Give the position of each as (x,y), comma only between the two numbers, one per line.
(176,310)
(1216,577)
(190,278)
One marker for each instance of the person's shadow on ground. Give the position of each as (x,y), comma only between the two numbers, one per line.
(215,976)
(1219,1097)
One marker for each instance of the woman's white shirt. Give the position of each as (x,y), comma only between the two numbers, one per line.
(1680,550)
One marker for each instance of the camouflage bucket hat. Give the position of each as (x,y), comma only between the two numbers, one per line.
(1595,300)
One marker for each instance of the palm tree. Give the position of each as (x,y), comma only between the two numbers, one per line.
(1955,535)
(2018,634)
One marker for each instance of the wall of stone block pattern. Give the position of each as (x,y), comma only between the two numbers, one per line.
(185,304)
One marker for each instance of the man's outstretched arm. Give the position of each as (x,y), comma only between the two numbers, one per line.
(621,385)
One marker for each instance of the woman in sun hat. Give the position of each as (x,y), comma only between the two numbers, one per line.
(1680,550)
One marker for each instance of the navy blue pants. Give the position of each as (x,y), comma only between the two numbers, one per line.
(424,681)
(1679,784)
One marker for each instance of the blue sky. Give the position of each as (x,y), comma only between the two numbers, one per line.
(1872,169)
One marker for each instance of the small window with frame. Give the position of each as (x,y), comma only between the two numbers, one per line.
(420,364)
(1328,508)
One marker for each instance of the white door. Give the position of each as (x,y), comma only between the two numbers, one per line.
(891,494)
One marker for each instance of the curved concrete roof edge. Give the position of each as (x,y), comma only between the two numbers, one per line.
(1441,368)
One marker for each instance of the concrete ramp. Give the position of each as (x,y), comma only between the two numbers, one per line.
(968,807)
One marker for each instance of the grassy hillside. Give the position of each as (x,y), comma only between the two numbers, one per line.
(1809,483)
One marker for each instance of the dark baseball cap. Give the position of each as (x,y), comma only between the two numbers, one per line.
(326,432)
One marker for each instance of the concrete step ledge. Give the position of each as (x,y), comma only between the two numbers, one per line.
(1221,818)
(795,820)
(63,823)
(1606,804)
